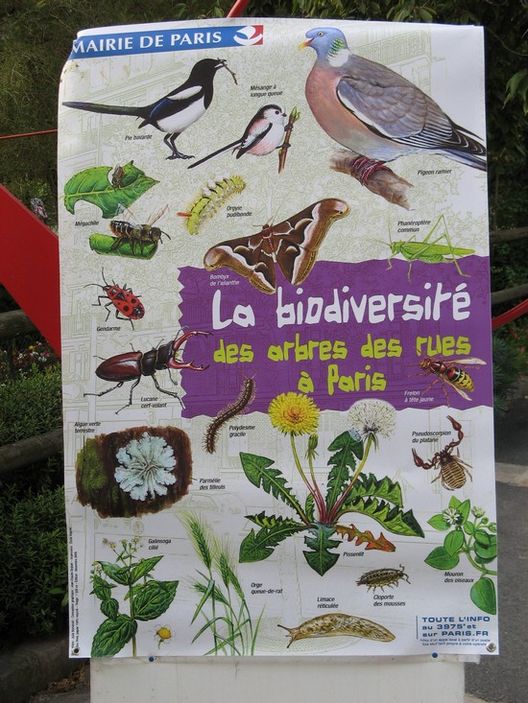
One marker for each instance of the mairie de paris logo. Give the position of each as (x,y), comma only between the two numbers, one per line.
(249,36)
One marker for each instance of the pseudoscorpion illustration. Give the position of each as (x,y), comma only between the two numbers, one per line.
(245,398)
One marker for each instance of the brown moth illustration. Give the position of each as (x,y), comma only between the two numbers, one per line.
(292,244)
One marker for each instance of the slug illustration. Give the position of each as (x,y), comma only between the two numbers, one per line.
(338,625)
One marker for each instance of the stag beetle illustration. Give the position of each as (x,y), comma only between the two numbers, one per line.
(131,366)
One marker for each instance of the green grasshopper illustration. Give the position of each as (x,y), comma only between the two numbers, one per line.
(429,250)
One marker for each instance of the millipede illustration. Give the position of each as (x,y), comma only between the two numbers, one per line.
(379,578)
(212,198)
(245,397)
(338,625)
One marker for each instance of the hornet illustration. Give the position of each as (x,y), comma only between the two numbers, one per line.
(175,111)
(264,134)
(373,111)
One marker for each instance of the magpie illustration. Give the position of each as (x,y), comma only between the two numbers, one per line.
(177,110)
(264,134)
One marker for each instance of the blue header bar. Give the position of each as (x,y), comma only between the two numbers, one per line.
(147,42)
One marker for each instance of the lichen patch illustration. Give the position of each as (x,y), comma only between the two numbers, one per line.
(134,471)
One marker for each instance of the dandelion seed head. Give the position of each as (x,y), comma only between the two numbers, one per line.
(372,418)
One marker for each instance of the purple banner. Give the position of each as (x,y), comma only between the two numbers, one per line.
(351,331)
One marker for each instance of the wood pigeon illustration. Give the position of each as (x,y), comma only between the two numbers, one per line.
(373,111)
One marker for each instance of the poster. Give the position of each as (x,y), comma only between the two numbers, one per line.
(276,340)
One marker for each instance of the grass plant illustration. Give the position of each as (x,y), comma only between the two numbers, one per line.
(348,488)
(222,604)
(145,598)
(471,533)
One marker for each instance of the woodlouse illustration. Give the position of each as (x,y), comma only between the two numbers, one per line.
(245,397)
(381,578)
(339,625)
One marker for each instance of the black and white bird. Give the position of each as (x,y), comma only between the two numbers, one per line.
(264,134)
(177,110)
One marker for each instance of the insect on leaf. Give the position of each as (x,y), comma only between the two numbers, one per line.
(93,186)
(320,558)
(258,471)
(112,635)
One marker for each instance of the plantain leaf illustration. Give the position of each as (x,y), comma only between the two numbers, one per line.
(112,635)
(272,481)
(483,595)
(152,600)
(347,447)
(260,545)
(110,608)
(94,186)
(119,574)
(320,558)
(391,517)
(143,568)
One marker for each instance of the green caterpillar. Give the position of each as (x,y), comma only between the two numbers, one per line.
(211,200)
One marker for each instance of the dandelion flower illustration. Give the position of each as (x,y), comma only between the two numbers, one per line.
(163,634)
(146,467)
(294,413)
(371,418)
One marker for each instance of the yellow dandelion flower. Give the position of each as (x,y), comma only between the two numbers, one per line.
(294,413)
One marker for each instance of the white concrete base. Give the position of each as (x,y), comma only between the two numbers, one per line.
(273,680)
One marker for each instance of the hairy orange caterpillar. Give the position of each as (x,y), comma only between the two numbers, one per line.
(245,397)
(213,197)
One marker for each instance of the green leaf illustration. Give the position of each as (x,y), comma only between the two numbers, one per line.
(369,485)
(143,568)
(112,635)
(439,558)
(119,574)
(320,558)
(272,481)
(454,541)
(94,186)
(391,517)
(485,554)
(438,522)
(260,545)
(152,600)
(346,447)
(483,595)
(101,588)
(309,507)
(484,538)
(110,608)
(105,244)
